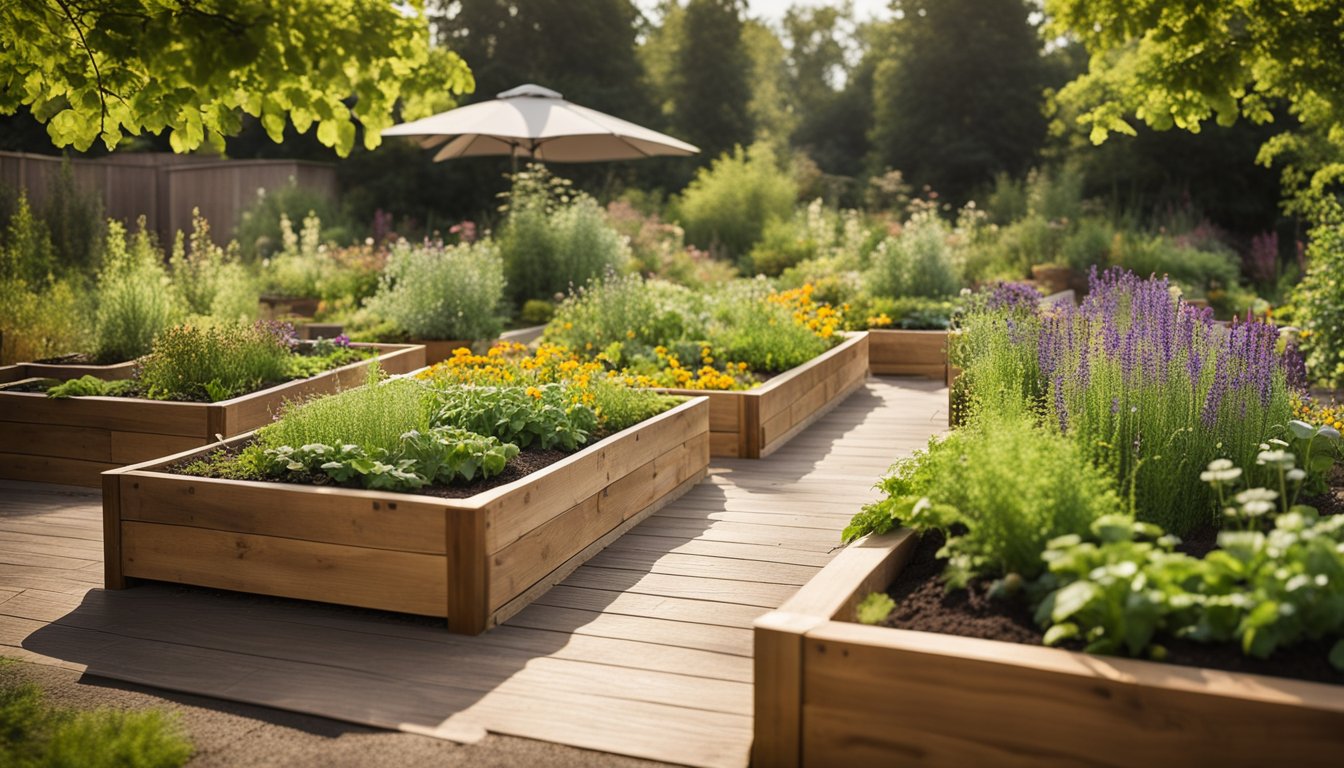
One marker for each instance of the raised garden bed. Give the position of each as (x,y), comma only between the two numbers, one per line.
(830,691)
(895,352)
(753,423)
(473,561)
(74,440)
(65,371)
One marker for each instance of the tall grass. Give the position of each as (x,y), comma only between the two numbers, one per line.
(372,416)
(135,300)
(437,292)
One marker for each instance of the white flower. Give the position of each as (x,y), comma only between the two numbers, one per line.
(1256,502)
(1297,475)
(1277,458)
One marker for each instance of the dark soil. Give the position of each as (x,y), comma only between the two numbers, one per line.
(923,603)
(74,358)
(522,465)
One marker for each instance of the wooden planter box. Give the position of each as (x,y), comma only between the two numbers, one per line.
(753,423)
(65,371)
(473,561)
(907,353)
(831,692)
(72,440)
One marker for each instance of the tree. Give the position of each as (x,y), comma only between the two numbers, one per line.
(1181,64)
(831,86)
(108,69)
(585,50)
(958,93)
(711,93)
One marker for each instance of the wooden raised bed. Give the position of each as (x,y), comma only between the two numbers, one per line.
(473,561)
(65,371)
(72,440)
(832,692)
(753,423)
(895,352)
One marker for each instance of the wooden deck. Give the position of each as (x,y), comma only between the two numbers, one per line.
(644,651)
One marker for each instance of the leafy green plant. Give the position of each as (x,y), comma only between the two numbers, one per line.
(441,455)
(875,608)
(437,292)
(763,335)
(74,216)
(212,363)
(26,252)
(87,385)
(726,208)
(135,302)
(999,489)
(544,415)
(1319,298)
(918,262)
(41,321)
(555,238)
(209,280)
(260,233)
(629,310)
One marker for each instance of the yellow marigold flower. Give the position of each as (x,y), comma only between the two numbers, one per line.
(533,392)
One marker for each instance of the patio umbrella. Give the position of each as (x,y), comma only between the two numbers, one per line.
(536,123)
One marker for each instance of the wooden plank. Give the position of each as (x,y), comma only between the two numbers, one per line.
(403,522)
(134,447)
(640,541)
(778,688)
(654,480)
(868,565)
(373,578)
(51,469)
(37,439)
(818,522)
(48,528)
(1045,707)
(467,571)
(806,539)
(720,590)
(515,509)
(616,652)
(729,640)
(525,561)
(726,444)
(116,413)
(567,567)
(679,609)
(705,566)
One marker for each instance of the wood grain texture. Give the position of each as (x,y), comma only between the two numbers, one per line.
(896,352)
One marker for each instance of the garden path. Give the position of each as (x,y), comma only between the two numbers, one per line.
(644,651)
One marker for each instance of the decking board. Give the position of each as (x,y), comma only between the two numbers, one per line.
(645,651)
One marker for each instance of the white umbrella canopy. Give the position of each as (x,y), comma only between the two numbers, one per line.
(536,123)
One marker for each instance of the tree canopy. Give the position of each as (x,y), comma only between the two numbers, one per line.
(108,69)
(1180,64)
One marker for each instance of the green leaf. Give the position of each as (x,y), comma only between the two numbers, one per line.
(1301,429)
(1072,599)
(875,608)
(1059,633)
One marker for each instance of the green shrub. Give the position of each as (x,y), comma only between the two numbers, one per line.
(36,735)
(764,335)
(536,311)
(728,205)
(1159,256)
(918,262)
(555,238)
(209,280)
(87,386)
(437,292)
(135,299)
(258,233)
(999,488)
(628,311)
(1088,245)
(26,252)
(1319,298)
(74,216)
(44,321)
(213,363)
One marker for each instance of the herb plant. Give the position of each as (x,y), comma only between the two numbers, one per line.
(438,292)
(541,415)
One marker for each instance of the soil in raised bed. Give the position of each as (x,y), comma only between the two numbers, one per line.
(924,603)
(520,466)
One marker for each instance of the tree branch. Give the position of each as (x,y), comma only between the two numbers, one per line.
(97,74)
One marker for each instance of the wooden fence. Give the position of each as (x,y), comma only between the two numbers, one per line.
(164,188)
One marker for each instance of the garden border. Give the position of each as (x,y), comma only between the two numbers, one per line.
(73,440)
(753,423)
(829,690)
(473,561)
(900,352)
(65,371)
